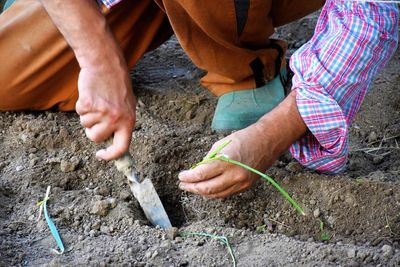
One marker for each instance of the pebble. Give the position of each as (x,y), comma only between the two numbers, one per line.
(294,167)
(351,253)
(377,160)
(148,254)
(19,168)
(102,190)
(125,195)
(105,229)
(69,165)
(317,213)
(362,255)
(167,245)
(387,250)
(93,233)
(102,207)
(372,137)
(96,225)
(33,162)
(172,233)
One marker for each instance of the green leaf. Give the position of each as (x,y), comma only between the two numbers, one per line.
(261,229)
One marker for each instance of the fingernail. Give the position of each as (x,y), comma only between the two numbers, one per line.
(99,154)
(181,175)
(181,186)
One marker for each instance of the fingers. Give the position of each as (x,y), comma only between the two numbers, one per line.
(99,132)
(88,120)
(216,188)
(228,183)
(202,172)
(82,107)
(121,141)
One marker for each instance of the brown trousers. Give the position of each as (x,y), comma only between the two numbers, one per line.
(38,70)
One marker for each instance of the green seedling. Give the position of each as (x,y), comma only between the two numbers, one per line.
(220,238)
(360,180)
(53,229)
(261,229)
(324,235)
(216,156)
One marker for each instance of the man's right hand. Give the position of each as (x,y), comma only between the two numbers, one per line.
(106,107)
(106,103)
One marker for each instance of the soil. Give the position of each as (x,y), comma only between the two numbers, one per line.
(353,219)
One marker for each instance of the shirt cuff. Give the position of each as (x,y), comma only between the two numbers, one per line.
(110,3)
(325,147)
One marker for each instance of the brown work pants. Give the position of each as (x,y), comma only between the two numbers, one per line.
(229,39)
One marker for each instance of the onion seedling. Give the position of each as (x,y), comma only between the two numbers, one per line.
(216,156)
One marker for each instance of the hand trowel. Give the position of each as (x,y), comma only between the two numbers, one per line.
(144,192)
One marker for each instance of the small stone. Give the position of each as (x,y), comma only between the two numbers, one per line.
(294,167)
(69,165)
(377,160)
(189,115)
(387,250)
(96,225)
(112,202)
(93,233)
(102,190)
(125,195)
(166,245)
(317,213)
(19,168)
(100,208)
(361,255)
(178,239)
(351,253)
(24,138)
(105,229)
(372,137)
(172,233)
(33,162)
(147,255)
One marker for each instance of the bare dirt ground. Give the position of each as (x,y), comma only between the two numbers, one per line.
(360,209)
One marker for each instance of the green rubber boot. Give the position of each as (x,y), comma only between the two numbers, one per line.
(239,109)
(7,4)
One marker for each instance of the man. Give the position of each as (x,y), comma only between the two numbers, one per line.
(333,71)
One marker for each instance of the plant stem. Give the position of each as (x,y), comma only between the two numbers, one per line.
(267,178)
(220,238)
(214,156)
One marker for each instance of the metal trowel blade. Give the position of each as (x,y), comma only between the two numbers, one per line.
(147,196)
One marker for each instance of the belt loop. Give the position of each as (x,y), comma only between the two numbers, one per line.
(257,67)
(278,61)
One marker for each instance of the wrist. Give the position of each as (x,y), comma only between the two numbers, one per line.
(101,55)
(281,127)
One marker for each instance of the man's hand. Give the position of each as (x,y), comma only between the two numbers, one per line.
(219,179)
(106,106)
(257,146)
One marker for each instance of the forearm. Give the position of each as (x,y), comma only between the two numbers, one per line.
(281,127)
(86,31)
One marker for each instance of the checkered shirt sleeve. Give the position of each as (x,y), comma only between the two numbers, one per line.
(353,41)
(111,3)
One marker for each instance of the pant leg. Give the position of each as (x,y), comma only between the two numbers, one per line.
(38,70)
(230,38)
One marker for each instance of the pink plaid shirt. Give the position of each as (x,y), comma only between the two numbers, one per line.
(353,41)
